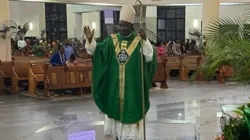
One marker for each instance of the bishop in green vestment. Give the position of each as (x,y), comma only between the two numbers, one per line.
(117,76)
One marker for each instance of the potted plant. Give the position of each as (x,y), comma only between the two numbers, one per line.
(228,44)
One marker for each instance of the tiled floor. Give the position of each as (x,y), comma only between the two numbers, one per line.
(182,112)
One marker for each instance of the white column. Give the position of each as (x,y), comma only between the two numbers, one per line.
(5,46)
(78,25)
(210,11)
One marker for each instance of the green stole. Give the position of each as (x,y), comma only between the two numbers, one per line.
(116,87)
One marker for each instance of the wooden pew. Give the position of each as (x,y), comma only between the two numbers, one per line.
(30,59)
(6,72)
(20,73)
(84,61)
(172,63)
(188,63)
(161,74)
(36,75)
(61,77)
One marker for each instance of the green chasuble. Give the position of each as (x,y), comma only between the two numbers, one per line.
(117,78)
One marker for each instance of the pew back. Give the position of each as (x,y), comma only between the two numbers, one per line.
(6,69)
(173,62)
(190,62)
(37,71)
(68,77)
(21,69)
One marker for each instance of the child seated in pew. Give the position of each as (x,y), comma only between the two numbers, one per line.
(72,61)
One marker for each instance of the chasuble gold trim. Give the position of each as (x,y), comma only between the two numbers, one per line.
(122,67)
(122,78)
(133,45)
(116,43)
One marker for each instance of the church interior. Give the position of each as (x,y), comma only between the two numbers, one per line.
(48,75)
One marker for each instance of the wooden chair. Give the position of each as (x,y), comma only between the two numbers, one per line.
(20,73)
(61,77)
(36,75)
(187,63)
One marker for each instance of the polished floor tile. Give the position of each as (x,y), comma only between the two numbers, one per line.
(183,112)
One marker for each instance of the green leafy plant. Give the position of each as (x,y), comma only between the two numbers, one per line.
(228,43)
(236,129)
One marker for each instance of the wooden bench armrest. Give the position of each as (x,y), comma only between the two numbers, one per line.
(15,74)
(33,75)
(46,80)
(168,67)
(1,72)
(185,66)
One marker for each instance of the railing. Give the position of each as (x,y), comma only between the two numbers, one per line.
(152,36)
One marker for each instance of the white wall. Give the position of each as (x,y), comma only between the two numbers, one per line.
(195,12)
(151,18)
(78,26)
(74,24)
(70,21)
(22,12)
(192,13)
(89,19)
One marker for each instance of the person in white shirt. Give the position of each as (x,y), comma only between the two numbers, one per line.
(21,43)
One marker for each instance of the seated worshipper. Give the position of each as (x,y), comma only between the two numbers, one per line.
(21,43)
(183,48)
(176,48)
(169,49)
(59,59)
(58,42)
(187,45)
(68,49)
(193,48)
(72,60)
(53,48)
(117,78)
(38,50)
(27,50)
(45,46)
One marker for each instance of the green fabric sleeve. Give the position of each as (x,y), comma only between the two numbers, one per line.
(100,61)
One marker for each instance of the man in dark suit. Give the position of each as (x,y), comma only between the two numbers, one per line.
(59,59)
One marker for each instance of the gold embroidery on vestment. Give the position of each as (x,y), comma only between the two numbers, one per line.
(122,67)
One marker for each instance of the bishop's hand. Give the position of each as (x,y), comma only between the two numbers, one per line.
(88,33)
(142,34)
